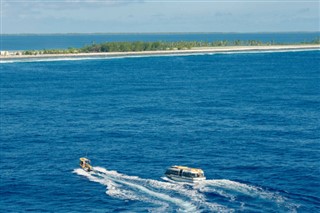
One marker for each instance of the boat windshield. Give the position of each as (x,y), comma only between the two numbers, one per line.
(197,175)
(189,174)
(172,172)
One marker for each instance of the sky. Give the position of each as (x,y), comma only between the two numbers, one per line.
(158,16)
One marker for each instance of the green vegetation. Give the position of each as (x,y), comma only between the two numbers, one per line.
(138,46)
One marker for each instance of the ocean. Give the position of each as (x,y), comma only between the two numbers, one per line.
(250,120)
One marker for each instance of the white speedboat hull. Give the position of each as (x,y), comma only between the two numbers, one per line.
(185,179)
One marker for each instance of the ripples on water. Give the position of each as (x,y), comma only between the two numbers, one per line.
(251,121)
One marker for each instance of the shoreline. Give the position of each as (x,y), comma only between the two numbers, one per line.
(167,52)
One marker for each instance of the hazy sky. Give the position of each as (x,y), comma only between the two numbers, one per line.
(109,16)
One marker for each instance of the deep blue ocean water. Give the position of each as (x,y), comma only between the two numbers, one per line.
(250,120)
(32,42)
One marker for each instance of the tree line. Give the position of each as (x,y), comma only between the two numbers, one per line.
(138,46)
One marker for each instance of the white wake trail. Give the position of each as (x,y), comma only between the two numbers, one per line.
(163,194)
(187,197)
(114,190)
(231,189)
(196,198)
(184,205)
(234,186)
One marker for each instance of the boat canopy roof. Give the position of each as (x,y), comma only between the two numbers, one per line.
(187,169)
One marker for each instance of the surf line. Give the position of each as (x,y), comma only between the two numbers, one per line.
(105,57)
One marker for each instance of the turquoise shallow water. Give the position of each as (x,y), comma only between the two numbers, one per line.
(249,120)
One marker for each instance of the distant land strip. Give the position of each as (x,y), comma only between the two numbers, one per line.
(155,48)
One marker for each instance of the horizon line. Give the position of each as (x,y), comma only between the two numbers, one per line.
(146,33)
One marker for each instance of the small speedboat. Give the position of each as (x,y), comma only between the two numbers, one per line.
(185,174)
(85,164)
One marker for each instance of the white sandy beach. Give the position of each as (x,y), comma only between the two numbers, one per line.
(165,52)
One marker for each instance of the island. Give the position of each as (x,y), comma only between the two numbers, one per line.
(113,49)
